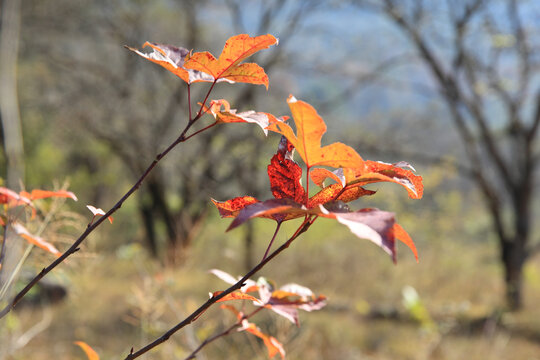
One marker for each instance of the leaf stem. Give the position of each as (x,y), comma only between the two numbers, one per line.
(272,241)
(201,130)
(195,315)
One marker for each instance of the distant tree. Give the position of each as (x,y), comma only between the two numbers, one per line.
(484,59)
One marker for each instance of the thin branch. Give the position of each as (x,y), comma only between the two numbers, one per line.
(195,315)
(226,332)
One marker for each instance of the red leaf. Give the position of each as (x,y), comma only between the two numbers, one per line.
(232,207)
(227,66)
(172,58)
(274,347)
(285,174)
(36,240)
(310,128)
(236,295)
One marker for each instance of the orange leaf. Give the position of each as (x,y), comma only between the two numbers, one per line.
(227,66)
(274,347)
(277,209)
(172,58)
(330,192)
(236,295)
(232,207)
(90,353)
(43,194)
(402,236)
(11,198)
(375,171)
(36,240)
(310,128)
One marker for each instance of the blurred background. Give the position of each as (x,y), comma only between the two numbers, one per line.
(450,86)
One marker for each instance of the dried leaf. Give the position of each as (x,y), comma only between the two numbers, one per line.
(99,212)
(228,115)
(172,58)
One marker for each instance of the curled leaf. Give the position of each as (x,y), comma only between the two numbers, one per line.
(228,115)
(172,58)
(43,194)
(232,207)
(99,212)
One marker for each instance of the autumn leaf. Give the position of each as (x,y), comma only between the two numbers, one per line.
(222,112)
(276,209)
(329,193)
(90,353)
(310,128)
(43,194)
(11,198)
(286,300)
(232,207)
(172,58)
(405,238)
(236,295)
(99,212)
(33,239)
(274,347)
(228,66)
(285,174)
(249,285)
(370,224)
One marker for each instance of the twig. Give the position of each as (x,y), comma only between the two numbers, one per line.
(195,315)
(226,332)
(91,227)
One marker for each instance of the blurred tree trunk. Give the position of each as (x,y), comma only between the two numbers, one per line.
(9,105)
(503,160)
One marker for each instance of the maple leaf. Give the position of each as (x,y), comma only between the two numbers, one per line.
(310,128)
(222,112)
(285,174)
(172,58)
(228,66)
